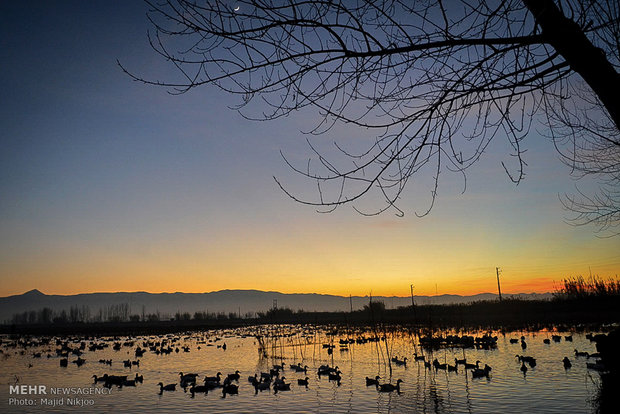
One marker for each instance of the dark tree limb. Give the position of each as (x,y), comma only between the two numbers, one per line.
(437,81)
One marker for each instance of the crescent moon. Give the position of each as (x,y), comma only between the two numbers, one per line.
(236,8)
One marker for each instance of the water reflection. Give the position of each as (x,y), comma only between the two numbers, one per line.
(445,387)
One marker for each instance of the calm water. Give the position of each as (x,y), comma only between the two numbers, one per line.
(546,388)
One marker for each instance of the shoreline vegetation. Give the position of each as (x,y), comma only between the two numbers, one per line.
(578,302)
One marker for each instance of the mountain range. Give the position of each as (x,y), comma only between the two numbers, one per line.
(166,305)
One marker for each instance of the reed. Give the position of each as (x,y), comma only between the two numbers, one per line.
(580,287)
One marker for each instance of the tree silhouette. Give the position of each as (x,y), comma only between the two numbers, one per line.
(436,80)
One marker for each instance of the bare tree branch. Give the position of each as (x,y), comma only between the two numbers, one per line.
(437,81)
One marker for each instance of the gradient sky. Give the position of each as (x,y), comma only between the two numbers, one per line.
(110,185)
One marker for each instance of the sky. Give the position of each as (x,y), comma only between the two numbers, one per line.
(110,185)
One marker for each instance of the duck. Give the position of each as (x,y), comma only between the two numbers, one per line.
(326,370)
(481,372)
(567,363)
(233,377)
(253,379)
(169,387)
(79,362)
(198,389)
(568,338)
(281,387)
(100,379)
(390,387)
(298,368)
(229,389)
(579,354)
(187,380)
(460,361)
(128,383)
(472,366)
(186,377)
(452,368)
(400,362)
(546,341)
(303,382)
(212,384)
(114,379)
(372,381)
(213,379)
(139,378)
(417,357)
(261,386)
(530,360)
(335,376)
(513,340)
(437,365)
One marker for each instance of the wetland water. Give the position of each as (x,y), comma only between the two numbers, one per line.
(547,387)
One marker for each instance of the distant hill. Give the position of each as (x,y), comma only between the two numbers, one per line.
(243,301)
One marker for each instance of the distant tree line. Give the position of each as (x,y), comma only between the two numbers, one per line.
(213,316)
(82,314)
(122,313)
(590,300)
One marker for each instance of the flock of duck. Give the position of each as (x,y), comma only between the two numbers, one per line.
(275,379)
(488,342)
(531,361)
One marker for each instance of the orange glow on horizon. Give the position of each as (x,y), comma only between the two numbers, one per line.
(339,257)
(535,285)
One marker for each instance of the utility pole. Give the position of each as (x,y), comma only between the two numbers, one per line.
(499,290)
(413,304)
(351,302)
